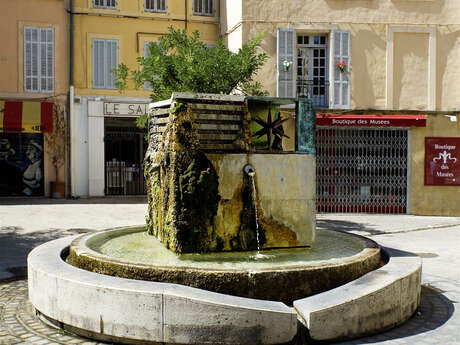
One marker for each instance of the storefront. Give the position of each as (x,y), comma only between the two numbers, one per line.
(363,162)
(22,125)
(109,158)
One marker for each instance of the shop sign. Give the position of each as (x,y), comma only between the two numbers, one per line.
(371,120)
(125,109)
(442,161)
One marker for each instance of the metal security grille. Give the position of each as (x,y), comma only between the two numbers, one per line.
(361,170)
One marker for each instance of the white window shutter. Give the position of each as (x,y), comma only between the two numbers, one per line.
(98,63)
(340,90)
(285,62)
(47,60)
(28,76)
(38,59)
(105,59)
(31,59)
(112,63)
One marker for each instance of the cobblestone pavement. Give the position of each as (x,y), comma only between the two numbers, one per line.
(18,324)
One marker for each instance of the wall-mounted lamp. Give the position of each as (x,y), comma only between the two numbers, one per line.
(452,118)
(287,65)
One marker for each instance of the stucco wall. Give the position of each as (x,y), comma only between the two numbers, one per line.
(368,23)
(410,65)
(286,194)
(431,200)
(131,26)
(354,11)
(14,16)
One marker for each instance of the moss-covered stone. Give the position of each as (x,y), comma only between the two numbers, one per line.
(183,188)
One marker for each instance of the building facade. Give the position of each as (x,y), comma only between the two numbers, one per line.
(107,146)
(384,76)
(33,97)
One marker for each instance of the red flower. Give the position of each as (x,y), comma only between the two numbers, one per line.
(342,66)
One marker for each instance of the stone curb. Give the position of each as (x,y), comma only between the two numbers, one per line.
(112,308)
(377,301)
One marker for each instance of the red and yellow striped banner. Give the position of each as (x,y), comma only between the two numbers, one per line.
(26,117)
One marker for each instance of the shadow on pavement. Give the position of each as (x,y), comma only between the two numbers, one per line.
(435,310)
(15,246)
(346,226)
(397,252)
(49,201)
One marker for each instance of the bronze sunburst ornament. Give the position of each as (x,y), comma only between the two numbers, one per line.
(271,129)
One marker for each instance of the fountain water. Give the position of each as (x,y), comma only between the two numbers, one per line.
(249,170)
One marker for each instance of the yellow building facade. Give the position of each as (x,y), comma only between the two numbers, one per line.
(384,76)
(33,93)
(107,147)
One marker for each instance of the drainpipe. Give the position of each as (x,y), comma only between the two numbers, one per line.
(186,15)
(71,43)
(70,104)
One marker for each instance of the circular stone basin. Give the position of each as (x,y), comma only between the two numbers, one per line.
(281,275)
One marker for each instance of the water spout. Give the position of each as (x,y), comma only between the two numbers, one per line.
(249,170)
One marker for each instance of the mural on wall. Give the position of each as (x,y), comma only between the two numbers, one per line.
(21,164)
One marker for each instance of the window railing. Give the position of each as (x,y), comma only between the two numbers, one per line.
(105,4)
(316,89)
(203,8)
(155,5)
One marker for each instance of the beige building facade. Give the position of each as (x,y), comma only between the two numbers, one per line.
(362,62)
(107,146)
(34,62)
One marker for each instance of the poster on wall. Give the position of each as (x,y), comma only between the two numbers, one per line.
(442,161)
(21,164)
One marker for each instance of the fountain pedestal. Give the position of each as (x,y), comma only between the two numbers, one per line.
(201,200)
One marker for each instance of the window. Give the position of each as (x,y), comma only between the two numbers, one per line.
(312,68)
(155,5)
(38,59)
(105,59)
(105,3)
(203,7)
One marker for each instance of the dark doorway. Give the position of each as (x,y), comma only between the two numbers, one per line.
(125,148)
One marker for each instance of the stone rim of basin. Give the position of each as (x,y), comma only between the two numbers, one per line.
(286,283)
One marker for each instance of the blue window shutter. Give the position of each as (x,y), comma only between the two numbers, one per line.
(285,63)
(105,59)
(340,90)
(111,63)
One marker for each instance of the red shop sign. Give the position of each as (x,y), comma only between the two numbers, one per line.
(351,120)
(442,161)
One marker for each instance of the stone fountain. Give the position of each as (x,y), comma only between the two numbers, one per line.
(230,244)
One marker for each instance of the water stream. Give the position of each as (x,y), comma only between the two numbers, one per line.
(258,255)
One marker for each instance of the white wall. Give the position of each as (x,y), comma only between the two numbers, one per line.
(96,148)
(79,148)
